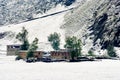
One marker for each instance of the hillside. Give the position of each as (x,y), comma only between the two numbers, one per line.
(41,26)
(15,11)
(96,23)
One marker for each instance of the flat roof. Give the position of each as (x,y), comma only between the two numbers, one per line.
(14,45)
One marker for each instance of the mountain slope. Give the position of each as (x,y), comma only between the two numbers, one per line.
(15,11)
(96,23)
(40,28)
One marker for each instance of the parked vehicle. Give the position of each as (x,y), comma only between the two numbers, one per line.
(86,58)
(46,59)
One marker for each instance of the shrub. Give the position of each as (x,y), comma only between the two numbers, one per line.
(54,39)
(91,53)
(111,51)
(74,46)
(33,47)
(23,38)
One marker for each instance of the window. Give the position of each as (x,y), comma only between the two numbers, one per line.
(15,46)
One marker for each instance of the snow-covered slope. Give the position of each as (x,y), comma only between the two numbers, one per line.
(15,11)
(78,21)
(40,28)
(96,23)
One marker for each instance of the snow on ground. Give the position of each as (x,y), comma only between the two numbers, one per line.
(97,70)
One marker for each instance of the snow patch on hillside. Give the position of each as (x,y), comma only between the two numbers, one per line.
(40,28)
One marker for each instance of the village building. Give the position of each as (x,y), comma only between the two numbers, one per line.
(37,54)
(53,55)
(13,49)
(62,54)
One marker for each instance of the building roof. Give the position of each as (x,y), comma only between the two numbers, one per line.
(14,45)
(27,51)
(61,50)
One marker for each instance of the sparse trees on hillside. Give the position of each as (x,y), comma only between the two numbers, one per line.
(33,47)
(111,51)
(23,38)
(55,40)
(74,46)
(90,53)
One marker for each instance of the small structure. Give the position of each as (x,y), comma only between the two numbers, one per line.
(53,55)
(37,54)
(13,49)
(62,54)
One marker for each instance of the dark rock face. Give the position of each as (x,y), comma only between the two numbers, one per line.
(107,26)
(98,26)
(2,35)
(69,2)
